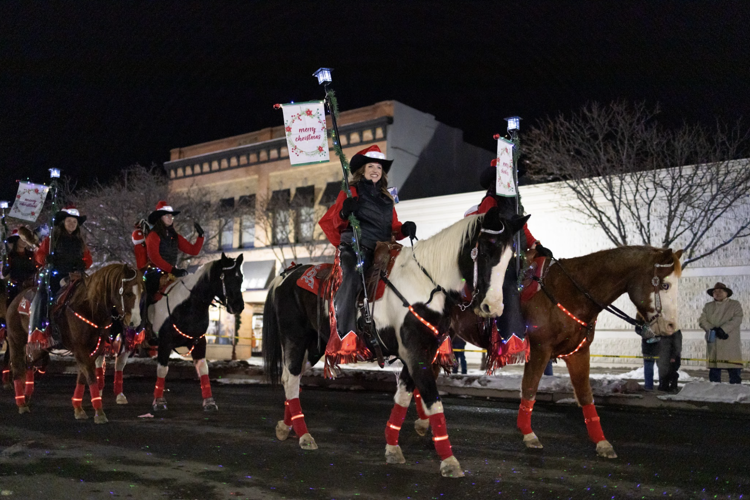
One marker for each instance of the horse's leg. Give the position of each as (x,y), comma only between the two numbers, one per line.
(87,368)
(29,386)
(293,416)
(402,399)
(578,367)
(422,423)
(17,347)
(6,368)
(120,361)
(201,367)
(77,399)
(532,373)
(101,363)
(162,368)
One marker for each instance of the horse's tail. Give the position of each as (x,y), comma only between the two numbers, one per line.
(271,336)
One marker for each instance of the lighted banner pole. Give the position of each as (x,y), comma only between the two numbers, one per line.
(506,181)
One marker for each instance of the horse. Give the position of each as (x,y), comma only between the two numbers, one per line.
(181,319)
(475,251)
(562,318)
(84,320)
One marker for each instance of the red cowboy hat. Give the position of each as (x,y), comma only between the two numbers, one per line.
(68,211)
(162,208)
(369,155)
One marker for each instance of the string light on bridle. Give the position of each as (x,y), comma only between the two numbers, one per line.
(474,257)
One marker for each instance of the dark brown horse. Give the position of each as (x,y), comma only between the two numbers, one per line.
(109,294)
(561,321)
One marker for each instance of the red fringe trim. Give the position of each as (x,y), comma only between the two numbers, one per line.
(509,352)
(444,356)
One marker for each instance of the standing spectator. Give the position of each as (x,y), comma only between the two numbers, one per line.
(721,320)
(459,347)
(650,350)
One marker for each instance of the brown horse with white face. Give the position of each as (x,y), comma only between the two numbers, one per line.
(111,293)
(561,319)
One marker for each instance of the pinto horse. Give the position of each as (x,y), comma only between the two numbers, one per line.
(296,329)
(562,316)
(181,320)
(84,322)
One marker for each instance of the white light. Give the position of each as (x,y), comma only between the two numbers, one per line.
(323,75)
(3,204)
(54,173)
(514,123)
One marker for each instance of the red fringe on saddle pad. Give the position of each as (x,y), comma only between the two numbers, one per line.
(350,349)
(506,352)
(444,357)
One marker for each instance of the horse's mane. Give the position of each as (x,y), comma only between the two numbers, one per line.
(634,252)
(100,284)
(432,251)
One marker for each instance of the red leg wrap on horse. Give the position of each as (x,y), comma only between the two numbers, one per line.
(20,388)
(78,395)
(159,389)
(524,416)
(96,399)
(420,409)
(205,386)
(592,423)
(287,414)
(6,376)
(29,389)
(100,378)
(440,436)
(118,382)
(392,428)
(298,418)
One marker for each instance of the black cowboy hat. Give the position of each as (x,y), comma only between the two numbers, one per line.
(162,208)
(68,211)
(369,155)
(720,286)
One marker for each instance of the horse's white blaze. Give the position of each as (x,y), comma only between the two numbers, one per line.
(201,367)
(402,396)
(135,311)
(668,322)
(437,407)
(179,292)
(161,371)
(493,299)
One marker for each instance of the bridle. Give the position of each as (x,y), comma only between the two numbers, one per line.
(223,300)
(121,292)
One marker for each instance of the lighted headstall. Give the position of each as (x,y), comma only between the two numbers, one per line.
(474,257)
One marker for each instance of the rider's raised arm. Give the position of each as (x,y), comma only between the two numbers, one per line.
(187,247)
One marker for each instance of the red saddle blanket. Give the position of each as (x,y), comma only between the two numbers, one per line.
(530,285)
(24,307)
(315,277)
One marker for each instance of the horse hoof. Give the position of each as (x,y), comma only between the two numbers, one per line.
(604,449)
(159,404)
(24,409)
(451,468)
(306,442)
(121,399)
(80,414)
(7,386)
(100,418)
(210,405)
(531,441)
(282,430)
(393,455)
(421,426)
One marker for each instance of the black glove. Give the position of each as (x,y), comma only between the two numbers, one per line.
(720,333)
(409,229)
(199,230)
(543,251)
(350,206)
(178,273)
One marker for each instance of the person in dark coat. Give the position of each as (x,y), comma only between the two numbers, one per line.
(20,268)
(459,346)
(373,206)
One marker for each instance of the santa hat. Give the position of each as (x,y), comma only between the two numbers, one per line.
(369,155)
(69,211)
(162,208)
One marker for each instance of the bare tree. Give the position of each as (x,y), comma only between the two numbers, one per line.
(290,227)
(644,184)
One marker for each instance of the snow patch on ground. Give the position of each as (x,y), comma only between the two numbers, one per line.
(712,392)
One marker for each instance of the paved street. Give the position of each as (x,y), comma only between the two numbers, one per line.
(234,453)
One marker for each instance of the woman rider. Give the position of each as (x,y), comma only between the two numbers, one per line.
(20,267)
(65,252)
(373,206)
(163,245)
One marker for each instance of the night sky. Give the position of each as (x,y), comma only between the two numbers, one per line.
(92,88)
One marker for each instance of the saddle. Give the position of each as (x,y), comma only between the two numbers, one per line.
(536,271)
(65,293)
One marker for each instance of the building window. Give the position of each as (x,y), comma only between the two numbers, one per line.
(330,193)
(226,236)
(304,206)
(280,209)
(247,221)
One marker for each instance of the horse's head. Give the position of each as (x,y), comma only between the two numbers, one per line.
(229,274)
(655,291)
(127,296)
(485,259)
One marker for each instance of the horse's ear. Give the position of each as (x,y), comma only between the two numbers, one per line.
(223,256)
(678,254)
(517,222)
(492,220)
(239,259)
